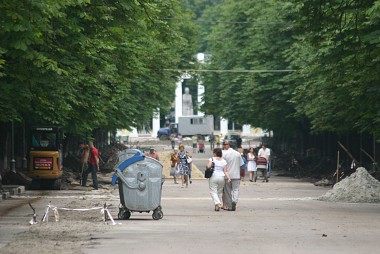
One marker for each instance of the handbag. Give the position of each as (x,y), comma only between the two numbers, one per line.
(189,160)
(210,171)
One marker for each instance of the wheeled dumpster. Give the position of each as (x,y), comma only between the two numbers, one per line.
(140,186)
(127,153)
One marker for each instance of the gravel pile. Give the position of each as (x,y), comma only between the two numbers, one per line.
(360,187)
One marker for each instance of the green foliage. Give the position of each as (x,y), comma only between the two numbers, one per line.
(340,81)
(333,46)
(86,64)
(252,36)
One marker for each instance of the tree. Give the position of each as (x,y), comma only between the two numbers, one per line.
(87,64)
(251,36)
(339,67)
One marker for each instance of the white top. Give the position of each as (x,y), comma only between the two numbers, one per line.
(234,162)
(251,163)
(264,153)
(219,166)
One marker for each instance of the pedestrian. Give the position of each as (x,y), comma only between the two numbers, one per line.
(180,138)
(172,140)
(244,167)
(234,164)
(217,180)
(194,140)
(174,165)
(239,141)
(217,141)
(84,154)
(183,165)
(201,146)
(212,141)
(93,166)
(269,162)
(252,168)
(264,152)
(153,154)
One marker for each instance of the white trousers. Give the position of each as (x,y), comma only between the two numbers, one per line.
(231,191)
(216,185)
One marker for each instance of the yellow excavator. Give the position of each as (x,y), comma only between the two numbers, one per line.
(45,157)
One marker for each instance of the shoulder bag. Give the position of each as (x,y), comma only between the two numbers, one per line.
(188,159)
(210,171)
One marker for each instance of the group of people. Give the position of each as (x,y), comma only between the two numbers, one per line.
(224,184)
(252,165)
(228,163)
(181,164)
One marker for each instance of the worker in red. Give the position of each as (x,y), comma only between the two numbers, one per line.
(93,166)
(153,154)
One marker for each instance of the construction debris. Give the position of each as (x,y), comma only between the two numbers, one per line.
(360,187)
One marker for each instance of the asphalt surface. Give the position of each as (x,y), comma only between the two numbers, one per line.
(281,216)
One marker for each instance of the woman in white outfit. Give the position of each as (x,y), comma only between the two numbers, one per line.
(217,180)
(252,168)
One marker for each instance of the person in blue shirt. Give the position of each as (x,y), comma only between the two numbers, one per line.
(242,170)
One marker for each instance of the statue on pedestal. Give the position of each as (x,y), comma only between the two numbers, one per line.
(187,103)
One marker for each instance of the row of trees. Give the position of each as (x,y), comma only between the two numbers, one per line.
(330,54)
(87,64)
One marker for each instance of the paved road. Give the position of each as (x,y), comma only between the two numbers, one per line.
(282,216)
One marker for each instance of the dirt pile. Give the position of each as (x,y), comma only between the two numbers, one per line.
(360,187)
(109,156)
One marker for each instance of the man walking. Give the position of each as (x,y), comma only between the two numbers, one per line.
(234,164)
(212,141)
(265,152)
(93,166)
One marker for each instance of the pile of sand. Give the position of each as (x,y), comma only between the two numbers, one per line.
(360,187)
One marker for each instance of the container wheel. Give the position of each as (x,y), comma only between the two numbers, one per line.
(161,214)
(156,215)
(124,214)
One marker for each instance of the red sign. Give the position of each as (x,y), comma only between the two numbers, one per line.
(43,163)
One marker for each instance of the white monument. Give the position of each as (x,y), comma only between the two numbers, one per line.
(187,103)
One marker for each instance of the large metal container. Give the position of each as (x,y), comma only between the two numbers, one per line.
(128,153)
(140,185)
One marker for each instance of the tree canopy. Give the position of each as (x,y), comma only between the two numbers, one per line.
(85,64)
(296,65)
(282,65)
